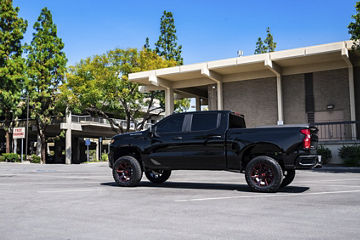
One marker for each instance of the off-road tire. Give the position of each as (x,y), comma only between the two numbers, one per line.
(263,174)
(127,171)
(157,176)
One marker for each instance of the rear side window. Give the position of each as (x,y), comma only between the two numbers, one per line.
(204,121)
(236,121)
(171,124)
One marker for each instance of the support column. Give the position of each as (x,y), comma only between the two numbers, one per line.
(217,78)
(276,69)
(220,102)
(169,92)
(279,100)
(68,138)
(345,55)
(169,101)
(97,150)
(198,104)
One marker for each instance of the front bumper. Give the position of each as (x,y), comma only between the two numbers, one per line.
(111,159)
(308,161)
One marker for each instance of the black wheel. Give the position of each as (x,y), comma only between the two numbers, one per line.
(127,171)
(157,176)
(263,174)
(289,176)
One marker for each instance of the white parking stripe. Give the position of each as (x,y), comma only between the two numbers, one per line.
(70,190)
(261,195)
(330,180)
(341,185)
(48,183)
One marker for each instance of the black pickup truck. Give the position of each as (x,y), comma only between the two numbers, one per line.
(214,140)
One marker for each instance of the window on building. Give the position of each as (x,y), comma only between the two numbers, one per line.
(204,121)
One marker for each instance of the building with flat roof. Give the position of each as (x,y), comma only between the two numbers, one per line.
(317,84)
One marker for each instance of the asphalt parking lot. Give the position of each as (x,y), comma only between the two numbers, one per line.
(82,202)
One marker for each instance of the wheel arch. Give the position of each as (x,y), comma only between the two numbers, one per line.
(129,151)
(259,149)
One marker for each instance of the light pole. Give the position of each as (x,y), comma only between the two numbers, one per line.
(27,126)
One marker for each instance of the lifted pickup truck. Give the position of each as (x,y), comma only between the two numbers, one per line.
(214,140)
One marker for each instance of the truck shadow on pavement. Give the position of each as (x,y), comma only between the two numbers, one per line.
(338,169)
(209,186)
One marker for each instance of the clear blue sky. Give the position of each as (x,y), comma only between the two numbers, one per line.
(208,30)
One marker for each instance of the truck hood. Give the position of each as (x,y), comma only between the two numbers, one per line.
(129,135)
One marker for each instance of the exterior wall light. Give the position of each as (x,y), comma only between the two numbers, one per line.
(330,107)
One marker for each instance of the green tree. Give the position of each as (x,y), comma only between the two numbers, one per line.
(167,44)
(12,65)
(46,68)
(99,86)
(268,45)
(147,44)
(260,47)
(354,27)
(269,41)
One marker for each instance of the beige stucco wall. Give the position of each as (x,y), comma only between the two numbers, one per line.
(256,99)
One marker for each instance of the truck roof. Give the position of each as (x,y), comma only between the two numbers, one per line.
(211,111)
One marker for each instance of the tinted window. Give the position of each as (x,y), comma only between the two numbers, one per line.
(171,124)
(204,121)
(236,121)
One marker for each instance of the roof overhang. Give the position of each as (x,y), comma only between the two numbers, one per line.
(286,62)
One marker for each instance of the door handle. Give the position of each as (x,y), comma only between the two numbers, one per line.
(214,137)
(177,138)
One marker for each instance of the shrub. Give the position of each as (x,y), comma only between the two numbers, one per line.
(325,154)
(350,155)
(2,158)
(35,158)
(92,156)
(11,157)
(104,157)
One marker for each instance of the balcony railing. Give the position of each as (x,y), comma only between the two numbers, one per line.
(104,121)
(338,131)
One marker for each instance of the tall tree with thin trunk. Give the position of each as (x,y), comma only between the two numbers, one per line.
(354,27)
(167,45)
(268,45)
(12,65)
(147,44)
(260,47)
(269,41)
(46,68)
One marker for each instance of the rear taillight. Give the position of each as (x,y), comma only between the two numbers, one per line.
(307,139)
